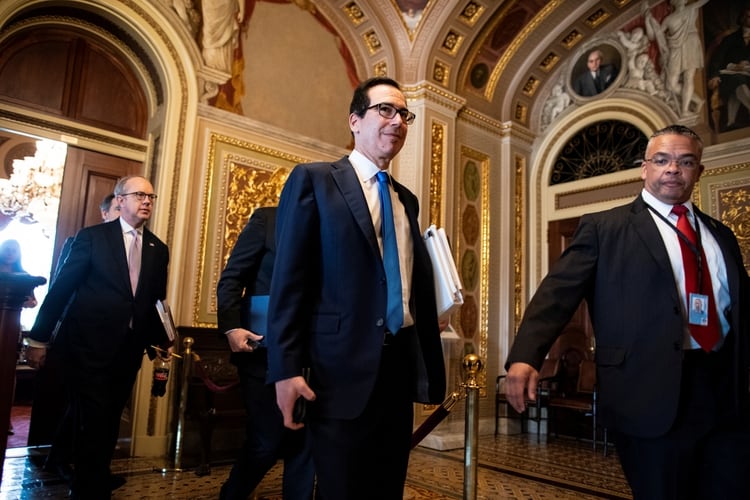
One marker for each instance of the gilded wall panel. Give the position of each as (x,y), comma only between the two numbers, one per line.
(472,249)
(724,193)
(242,176)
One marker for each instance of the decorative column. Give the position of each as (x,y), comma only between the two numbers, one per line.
(14,289)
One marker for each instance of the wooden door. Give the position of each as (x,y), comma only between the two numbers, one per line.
(88,178)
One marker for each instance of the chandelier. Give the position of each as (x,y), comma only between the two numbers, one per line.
(32,193)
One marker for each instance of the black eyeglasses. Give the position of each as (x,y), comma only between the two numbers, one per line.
(663,161)
(389,111)
(140,195)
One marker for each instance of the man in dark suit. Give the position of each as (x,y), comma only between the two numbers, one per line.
(248,274)
(51,419)
(596,78)
(329,296)
(111,319)
(673,390)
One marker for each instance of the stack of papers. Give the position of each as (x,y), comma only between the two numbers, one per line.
(448,289)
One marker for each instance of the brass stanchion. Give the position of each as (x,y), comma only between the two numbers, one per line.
(187,368)
(472,365)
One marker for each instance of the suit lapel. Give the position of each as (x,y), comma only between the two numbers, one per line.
(348,183)
(646,228)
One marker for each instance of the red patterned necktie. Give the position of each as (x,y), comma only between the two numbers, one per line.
(706,335)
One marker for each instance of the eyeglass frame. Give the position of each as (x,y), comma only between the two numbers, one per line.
(693,161)
(140,195)
(407,116)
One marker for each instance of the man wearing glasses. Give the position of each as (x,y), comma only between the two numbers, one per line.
(672,376)
(115,273)
(362,318)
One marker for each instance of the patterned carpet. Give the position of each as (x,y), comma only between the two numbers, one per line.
(509,468)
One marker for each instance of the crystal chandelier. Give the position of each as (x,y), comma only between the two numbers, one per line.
(32,194)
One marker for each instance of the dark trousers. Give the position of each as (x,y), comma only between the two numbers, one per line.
(97,398)
(367,458)
(267,441)
(704,455)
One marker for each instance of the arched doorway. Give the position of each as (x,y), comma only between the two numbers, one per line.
(73,80)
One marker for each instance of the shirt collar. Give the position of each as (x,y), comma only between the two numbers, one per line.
(365,169)
(663,208)
(126,228)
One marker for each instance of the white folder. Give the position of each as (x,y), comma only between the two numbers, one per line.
(448,289)
(165,314)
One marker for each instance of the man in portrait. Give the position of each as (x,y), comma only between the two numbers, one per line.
(597,77)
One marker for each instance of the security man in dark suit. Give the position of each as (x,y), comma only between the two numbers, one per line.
(248,274)
(115,273)
(673,383)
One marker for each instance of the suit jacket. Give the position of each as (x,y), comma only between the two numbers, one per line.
(584,84)
(95,279)
(619,263)
(328,294)
(248,272)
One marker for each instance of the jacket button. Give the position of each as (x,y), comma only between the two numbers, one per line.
(677,346)
(380,322)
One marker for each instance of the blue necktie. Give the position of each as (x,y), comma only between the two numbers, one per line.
(395,312)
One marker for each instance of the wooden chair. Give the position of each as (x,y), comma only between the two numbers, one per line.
(582,400)
(547,378)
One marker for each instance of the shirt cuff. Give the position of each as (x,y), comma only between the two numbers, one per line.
(34,343)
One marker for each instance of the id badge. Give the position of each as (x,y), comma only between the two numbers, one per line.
(698,313)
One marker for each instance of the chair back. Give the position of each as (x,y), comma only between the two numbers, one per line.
(586,377)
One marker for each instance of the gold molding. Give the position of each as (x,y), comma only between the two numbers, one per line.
(372,42)
(549,62)
(437,159)
(517,42)
(380,68)
(724,193)
(354,13)
(520,240)
(452,42)
(597,18)
(241,177)
(441,72)
(572,38)
(478,190)
(471,13)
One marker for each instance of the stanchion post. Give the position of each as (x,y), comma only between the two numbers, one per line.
(187,368)
(472,365)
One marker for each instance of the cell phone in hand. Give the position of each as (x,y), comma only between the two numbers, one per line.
(256,343)
(300,410)
(300,406)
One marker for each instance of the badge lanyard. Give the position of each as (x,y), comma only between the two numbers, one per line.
(697,249)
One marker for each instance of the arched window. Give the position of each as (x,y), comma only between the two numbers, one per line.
(600,148)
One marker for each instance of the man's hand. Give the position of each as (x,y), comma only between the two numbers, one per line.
(443,323)
(287,392)
(240,339)
(35,356)
(520,385)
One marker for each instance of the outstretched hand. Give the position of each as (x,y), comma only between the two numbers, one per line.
(520,385)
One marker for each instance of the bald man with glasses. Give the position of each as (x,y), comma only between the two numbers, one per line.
(115,273)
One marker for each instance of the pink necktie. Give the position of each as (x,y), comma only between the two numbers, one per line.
(134,260)
(706,335)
